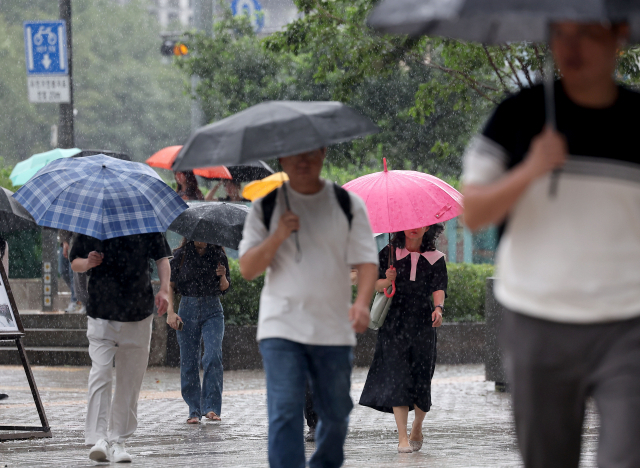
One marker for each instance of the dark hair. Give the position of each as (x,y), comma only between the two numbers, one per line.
(190,188)
(428,240)
(185,241)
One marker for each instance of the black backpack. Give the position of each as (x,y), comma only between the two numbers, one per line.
(269,203)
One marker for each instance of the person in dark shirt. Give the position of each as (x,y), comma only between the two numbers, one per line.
(120,310)
(567,263)
(200,274)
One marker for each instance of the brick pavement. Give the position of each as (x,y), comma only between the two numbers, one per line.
(469,425)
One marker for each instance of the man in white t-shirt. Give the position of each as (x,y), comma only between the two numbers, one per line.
(307,323)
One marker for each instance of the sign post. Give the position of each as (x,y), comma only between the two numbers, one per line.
(11,329)
(45,44)
(49,62)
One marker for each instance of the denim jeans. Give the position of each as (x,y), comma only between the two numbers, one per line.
(66,273)
(203,319)
(288,366)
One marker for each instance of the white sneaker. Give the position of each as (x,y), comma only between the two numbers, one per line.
(71,307)
(81,309)
(100,451)
(119,454)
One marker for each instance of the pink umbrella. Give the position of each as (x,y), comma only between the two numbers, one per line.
(402,200)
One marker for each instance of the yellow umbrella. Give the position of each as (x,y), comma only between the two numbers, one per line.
(260,188)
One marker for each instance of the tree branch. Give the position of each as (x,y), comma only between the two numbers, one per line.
(493,65)
(513,68)
(524,67)
(540,60)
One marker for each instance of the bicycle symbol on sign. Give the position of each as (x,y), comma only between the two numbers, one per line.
(42,31)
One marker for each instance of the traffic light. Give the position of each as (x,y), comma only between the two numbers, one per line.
(171,47)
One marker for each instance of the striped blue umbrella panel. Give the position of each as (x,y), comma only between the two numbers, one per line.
(101,197)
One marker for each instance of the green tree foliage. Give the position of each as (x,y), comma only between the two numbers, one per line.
(237,69)
(126,97)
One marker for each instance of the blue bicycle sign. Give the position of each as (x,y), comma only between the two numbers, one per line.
(45,45)
(252,9)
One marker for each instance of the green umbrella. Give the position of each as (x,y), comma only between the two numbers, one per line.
(25,170)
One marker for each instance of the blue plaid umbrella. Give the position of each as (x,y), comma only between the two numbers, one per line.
(101,197)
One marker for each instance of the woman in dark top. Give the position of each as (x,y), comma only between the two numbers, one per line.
(399,378)
(200,273)
(187,186)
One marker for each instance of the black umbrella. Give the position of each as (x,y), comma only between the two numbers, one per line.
(270,130)
(251,171)
(497,21)
(13,216)
(247,172)
(212,222)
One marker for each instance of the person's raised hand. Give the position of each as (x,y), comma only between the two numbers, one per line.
(548,151)
(94,259)
(436,317)
(391,273)
(287,224)
(359,317)
(221,270)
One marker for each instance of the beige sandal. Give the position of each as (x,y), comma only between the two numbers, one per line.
(212,416)
(416,445)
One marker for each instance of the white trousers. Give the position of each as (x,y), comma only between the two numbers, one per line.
(128,343)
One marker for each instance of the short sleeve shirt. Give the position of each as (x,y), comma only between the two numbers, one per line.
(307,301)
(572,257)
(120,288)
(194,275)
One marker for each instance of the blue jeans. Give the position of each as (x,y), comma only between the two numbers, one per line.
(203,319)
(66,273)
(288,366)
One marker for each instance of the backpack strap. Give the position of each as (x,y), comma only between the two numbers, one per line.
(269,204)
(345,202)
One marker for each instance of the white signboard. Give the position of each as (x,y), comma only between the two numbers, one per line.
(48,89)
(7,319)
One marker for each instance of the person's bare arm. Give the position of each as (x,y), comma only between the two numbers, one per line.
(490,204)
(436,315)
(359,311)
(164,298)
(81,265)
(257,259)
(212,193)
(221,271)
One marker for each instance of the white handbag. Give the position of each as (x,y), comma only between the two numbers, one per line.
(382,301)
(379,309)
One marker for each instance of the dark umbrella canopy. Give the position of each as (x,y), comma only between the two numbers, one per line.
(13,216)
(497,21)
(214,223)
(251,171)
(270,130)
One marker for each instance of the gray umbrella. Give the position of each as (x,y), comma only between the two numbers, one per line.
(212,222)
(270,130)
(497,21)
(13,216)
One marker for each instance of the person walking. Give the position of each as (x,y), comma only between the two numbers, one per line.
(120,316)
(200,274)
(399,379)
(567,263)
(306,321)
(187,186)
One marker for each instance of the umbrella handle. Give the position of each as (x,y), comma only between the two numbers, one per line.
(393,287)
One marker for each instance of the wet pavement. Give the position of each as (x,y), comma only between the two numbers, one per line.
(469,424)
